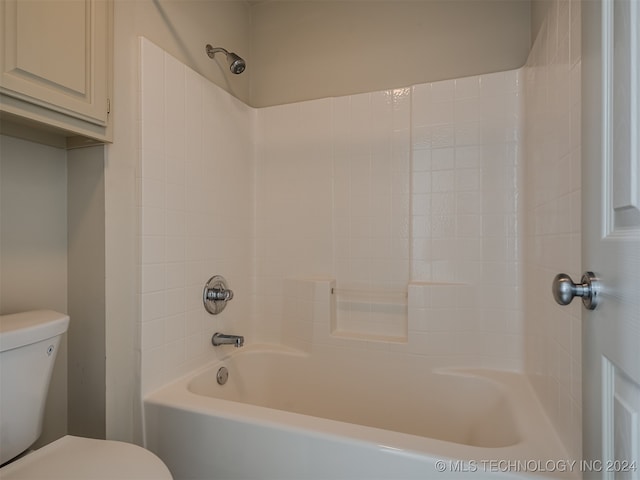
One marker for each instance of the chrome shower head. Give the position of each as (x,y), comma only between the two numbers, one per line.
(236,63)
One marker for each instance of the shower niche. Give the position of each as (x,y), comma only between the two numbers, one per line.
(369,314)
(315,309)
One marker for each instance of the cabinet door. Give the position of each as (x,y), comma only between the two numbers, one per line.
(54,53)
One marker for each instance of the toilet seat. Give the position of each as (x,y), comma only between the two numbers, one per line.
(78,458)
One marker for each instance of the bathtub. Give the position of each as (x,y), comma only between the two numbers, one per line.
(284,414)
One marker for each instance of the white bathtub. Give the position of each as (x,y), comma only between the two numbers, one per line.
(288,415)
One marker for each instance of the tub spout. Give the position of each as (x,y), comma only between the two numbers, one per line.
(222,339)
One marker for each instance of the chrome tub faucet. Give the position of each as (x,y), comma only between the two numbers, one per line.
(223,339)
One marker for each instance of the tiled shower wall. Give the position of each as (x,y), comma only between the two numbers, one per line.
(553,212)
(466,168)
(412,191)
(407,190)
(333,200)
(196,214)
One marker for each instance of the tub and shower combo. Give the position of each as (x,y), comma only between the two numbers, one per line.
(340,396)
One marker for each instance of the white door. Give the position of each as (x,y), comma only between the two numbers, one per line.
(611,236)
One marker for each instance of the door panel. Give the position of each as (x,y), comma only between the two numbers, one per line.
(611,235)
(620,57)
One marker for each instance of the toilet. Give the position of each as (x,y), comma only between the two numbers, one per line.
(28,346)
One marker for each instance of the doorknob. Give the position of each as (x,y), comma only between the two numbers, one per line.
(564,289)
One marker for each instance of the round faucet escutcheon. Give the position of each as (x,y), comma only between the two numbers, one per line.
(216,294)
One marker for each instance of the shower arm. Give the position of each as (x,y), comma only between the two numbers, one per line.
(211,51)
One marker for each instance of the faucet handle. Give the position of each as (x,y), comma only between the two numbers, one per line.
(216,294)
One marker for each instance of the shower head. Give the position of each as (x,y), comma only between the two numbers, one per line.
(236,63)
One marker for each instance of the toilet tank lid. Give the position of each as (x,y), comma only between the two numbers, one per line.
(20,329)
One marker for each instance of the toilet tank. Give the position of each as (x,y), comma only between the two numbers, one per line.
(28,346)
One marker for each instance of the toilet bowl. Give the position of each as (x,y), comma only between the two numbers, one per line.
(76,458)
(28,346)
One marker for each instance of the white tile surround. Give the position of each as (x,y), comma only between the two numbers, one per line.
(195,192)
(552,216)
(398,191)
(410,190)
(414,190)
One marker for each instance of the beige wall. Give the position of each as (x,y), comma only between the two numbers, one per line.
(33,249)
(183,28)
(86,371)
(314,49)
(538,15)
(301,50)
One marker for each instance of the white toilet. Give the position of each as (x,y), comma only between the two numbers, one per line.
(28,347)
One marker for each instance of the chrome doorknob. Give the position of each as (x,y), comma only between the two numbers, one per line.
(564,290)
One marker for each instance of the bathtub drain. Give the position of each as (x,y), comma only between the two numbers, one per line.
(222,376)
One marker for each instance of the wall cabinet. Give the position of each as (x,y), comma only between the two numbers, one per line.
(55,59)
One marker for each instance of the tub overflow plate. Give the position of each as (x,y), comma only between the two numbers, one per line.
(222,376)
